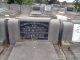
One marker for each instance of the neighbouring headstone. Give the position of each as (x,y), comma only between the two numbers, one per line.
(25,9)
(43,7)
(48,8)
(76,31)
(70,9)
(36,10)
(14,10)
(14,7)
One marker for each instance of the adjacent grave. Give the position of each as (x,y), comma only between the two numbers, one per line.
(71,36)
(36,10)
(76,39)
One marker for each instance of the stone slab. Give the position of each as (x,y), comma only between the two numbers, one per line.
(33,50)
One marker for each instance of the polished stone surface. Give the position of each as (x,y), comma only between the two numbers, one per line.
(33,50)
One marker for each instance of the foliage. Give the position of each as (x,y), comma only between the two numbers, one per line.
(10,1)
(20,2)
(64,3)
(28,2)
(38,1)
(58,2)
(77,5)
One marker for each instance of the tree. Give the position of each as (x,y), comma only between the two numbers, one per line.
(52,1)
(77,5)
(28,2)
(38,1)
(10,1)
(58,2)
(64,3)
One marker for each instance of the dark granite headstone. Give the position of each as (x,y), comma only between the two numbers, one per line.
(34,30)
(70,8)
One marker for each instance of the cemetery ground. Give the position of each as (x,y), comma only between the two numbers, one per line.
(64,52)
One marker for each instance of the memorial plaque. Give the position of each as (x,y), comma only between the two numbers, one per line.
(76,33)
(34,30)
(70,8)
(36,8)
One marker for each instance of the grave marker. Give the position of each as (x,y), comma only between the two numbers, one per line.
(76,33)
(33,28)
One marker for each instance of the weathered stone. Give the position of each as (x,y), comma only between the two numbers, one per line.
(33,50)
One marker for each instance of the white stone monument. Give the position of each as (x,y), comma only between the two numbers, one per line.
(48,8)
(76,31)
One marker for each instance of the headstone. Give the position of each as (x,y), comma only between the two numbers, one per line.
(43,7)
(36,10)
(70,9)
(31,28)
(25,9)
(34,30)
(14,7)
(48,8)
(76,31)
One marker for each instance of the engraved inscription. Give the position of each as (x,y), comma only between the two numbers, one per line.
(34,30)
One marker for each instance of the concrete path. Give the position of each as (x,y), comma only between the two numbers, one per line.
(33,50)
